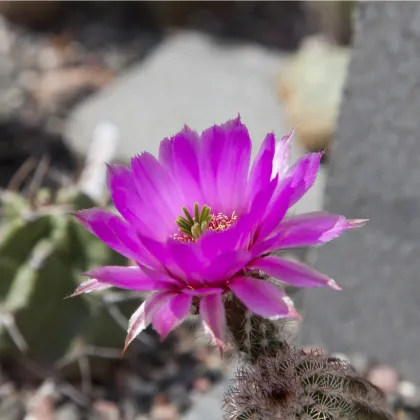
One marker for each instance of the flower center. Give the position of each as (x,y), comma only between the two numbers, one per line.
(192,227)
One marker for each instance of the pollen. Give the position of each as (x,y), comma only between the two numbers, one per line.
(221,221)
(192,227)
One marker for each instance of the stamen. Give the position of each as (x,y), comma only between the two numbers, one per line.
(188,215)
(191,228)
(222,222)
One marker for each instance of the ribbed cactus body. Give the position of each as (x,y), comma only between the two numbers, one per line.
(43,254)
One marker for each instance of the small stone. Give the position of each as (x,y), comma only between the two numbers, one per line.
(163,410)
(49,58)
(41,404)
(42,408)
(55,84)
(202,385)
(360,362)
(410,393)
(106,410)
(68,411)
(407,389)
(384,377)
(311,87)
(12,408)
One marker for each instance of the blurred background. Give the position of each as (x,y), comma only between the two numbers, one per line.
(83,83)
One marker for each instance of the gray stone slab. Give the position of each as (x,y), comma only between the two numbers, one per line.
(376,174)
(189,79)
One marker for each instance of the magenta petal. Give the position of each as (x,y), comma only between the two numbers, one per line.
(234,167)
(225,152)
(203,291)
(91,285)
(276,211)
(225,266)
(171,314)
(261,297)
(282,156)
(262,168)
(313,229)
(114,231)
(158,192)
(127,200)
(180,156)
(119,177)
(142,317)
(174,256)
(133,278)
(212,312)
(294,273)
(214,244)
(301,176)
(212,143)
(186,261)
(261,201)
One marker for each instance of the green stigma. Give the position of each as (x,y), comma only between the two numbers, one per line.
(194,226)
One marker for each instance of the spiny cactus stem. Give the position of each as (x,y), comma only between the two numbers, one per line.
(303,385)
(252,334)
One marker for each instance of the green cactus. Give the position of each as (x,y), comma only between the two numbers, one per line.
(43,255)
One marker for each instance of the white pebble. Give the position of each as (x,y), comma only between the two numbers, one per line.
(407,389)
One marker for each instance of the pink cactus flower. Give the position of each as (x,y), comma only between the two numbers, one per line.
(200,220)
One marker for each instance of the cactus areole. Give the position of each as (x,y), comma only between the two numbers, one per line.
(201,219)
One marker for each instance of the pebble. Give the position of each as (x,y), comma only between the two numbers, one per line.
(41,409)
(163,409)
(360,362)
(49,58)
(106,410)
(407,389)
(40,404)
(12,408)
(202,385)
(164,412)
(68,411)
(385,377)
(410,393)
